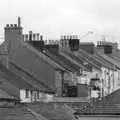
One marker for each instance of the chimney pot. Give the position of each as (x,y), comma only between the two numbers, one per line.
(7,25)
(50,42)
(76,36)
(73,37)
(68,36)
(64,37)
(11,25)
(45,42)
(19,22)
(34,37)
(15,25)
(41,37)
(38,36)
(30,35)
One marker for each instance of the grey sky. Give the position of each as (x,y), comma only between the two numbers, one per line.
(55,17)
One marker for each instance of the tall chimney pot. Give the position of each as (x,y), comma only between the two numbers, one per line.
(38,36)
(30,35)
(34,37)
(41,37)
(19,22)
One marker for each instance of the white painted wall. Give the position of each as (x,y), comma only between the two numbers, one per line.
(33,97)
(117,79)
(95,93)
(23,96)
(111,80)
(85,78)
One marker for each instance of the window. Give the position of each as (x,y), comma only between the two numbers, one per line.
(27,93)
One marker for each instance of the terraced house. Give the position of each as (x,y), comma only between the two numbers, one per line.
(36,70)
(104,74)
(41,66)
(109,77)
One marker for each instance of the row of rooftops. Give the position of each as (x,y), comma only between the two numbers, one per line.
(91,57)
(69,60)
(36,37)
(82,56)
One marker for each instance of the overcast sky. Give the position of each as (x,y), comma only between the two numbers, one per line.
(53,18)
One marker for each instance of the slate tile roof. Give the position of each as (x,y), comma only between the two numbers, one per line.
(15,79)
(31,60)
(89,59)
(109,59)
(11,91)
(59,59)
(103,61)
(38,85)
(35,51)
(62,61)
(70,55)
(3,48)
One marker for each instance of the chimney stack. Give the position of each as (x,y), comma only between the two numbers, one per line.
(70,37)
(30,35)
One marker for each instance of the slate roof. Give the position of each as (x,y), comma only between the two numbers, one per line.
(116,58)
(12,83)
(96,60)
(70,55)
(31,60)
(59,59)
(38,85)
(9,88)
(103,61)
(3,48)
(43,56)
(89,58)
(109,59)
(67,64)
(15,79)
